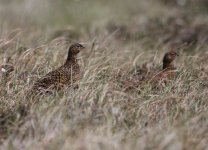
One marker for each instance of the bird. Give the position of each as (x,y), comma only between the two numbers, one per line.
(64,76)
(168,71)
(147,74)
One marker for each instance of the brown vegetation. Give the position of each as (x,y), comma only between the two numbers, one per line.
(127,99)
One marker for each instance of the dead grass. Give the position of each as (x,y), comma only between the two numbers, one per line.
(101,114)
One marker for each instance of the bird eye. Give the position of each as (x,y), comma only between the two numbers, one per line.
(173,53)
(80,46)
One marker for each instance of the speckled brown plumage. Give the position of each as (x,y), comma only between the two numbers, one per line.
(64,76)
(148,74)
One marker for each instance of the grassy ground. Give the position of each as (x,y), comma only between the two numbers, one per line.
(100,115)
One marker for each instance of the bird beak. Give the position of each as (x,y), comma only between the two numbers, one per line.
(84,45)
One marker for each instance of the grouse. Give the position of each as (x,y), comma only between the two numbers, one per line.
(149,74)
(64,76)
(168,71)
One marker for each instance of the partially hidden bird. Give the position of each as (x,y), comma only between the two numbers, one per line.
(149,74)
(65,76)
(169,70)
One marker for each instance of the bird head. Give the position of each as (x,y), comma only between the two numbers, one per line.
(75,48)
(168,58)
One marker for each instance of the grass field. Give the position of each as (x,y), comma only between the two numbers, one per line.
(120,36)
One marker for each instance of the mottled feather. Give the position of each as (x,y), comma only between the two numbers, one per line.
(64,76)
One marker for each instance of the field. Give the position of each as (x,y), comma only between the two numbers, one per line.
(120,37)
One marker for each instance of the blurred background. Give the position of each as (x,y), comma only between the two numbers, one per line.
(154,22)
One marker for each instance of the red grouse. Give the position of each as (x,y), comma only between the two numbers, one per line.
(168,72)
(64,76)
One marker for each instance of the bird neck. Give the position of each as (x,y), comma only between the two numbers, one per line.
(71,59)
(168,66)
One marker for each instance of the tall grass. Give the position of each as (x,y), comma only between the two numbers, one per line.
(100,114)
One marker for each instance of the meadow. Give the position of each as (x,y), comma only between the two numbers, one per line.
(120,37)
